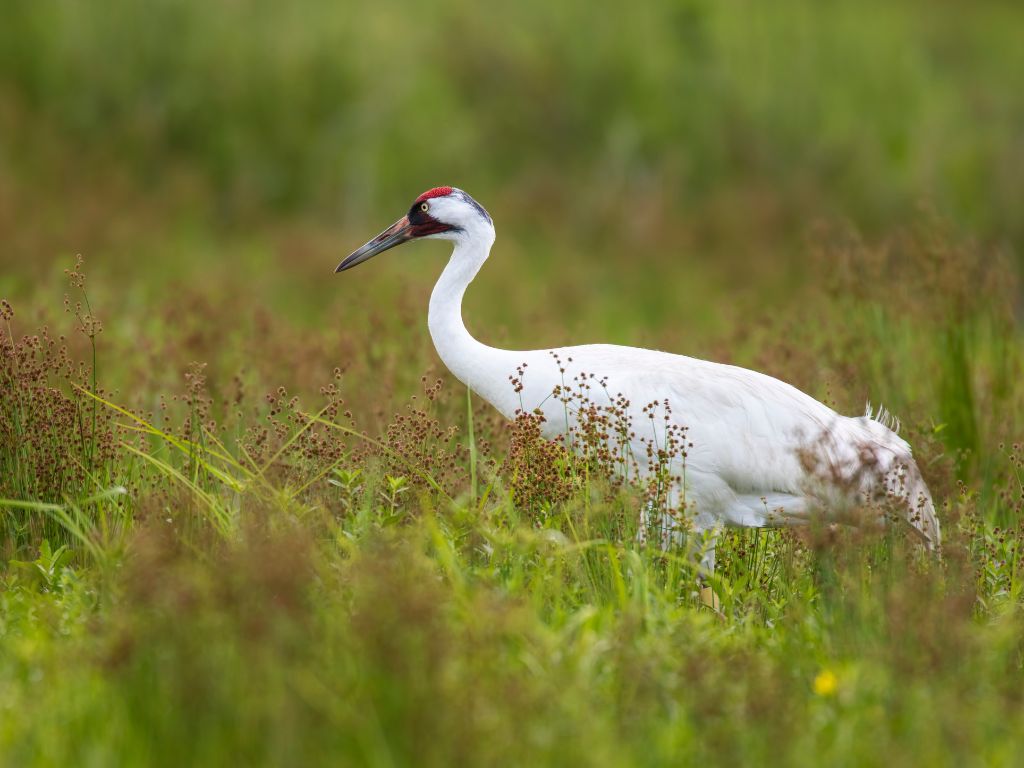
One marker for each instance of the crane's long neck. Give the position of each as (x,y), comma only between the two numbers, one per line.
(481,368)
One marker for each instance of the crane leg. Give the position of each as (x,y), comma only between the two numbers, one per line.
(669,534)
(659,524)
(709,599)
(707,567)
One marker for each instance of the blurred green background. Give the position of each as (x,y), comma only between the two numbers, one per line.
(849,108)
(574,115)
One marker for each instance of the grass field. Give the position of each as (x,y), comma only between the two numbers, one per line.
(246,517)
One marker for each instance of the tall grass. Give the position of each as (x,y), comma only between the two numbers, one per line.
(273,584)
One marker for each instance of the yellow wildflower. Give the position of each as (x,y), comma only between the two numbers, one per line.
(826,683)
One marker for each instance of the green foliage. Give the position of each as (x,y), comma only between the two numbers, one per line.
(48,567)
(310,593)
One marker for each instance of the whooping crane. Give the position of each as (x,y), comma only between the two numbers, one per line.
(751,434)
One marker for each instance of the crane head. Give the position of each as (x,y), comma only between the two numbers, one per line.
(445,213)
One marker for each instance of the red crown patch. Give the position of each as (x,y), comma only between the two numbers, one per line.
(435,192)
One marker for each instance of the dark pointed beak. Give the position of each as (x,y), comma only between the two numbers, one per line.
(396,234)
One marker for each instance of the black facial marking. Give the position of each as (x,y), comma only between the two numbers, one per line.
(422,223)
(418,216)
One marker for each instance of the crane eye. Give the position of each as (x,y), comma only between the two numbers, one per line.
(424,207)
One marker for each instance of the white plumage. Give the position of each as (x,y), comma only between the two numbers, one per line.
(763,452)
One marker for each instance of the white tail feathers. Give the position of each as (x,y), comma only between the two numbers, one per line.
(921,510)
(883,417)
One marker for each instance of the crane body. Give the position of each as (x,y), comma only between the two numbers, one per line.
(759,451)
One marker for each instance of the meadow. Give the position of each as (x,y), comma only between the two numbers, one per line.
(247,517)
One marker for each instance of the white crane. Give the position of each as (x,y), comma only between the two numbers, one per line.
(763,453)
